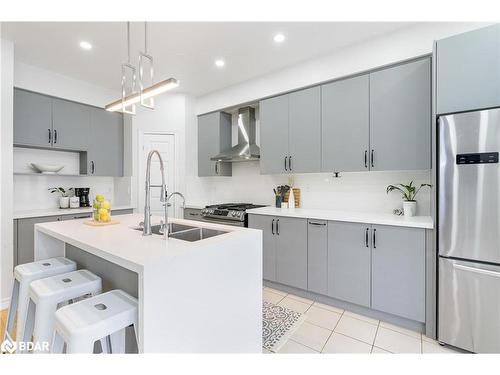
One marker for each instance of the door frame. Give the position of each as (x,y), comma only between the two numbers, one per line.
(140,179)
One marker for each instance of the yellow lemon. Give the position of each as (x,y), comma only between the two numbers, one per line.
(99,198)
(106,205)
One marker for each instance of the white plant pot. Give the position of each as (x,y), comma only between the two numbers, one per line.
(64,202)
(410,208)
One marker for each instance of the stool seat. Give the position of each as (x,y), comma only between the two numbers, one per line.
(45,297)
(24,274)
(82,323)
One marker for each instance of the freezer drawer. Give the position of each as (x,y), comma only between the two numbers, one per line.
(469,305)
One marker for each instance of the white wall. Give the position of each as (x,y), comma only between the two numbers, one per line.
(6,185)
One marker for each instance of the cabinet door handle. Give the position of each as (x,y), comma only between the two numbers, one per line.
(278,227)
(55,136)
(50,135)
(366,237)
(217,167)
(92,167)
(372,163)
(374,238)
(290,163)
(272,227)
(285,165)
(366,158)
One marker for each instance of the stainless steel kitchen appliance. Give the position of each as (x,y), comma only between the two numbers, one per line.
(228,213)
(469,231)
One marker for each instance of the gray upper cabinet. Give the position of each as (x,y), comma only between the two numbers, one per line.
(468,74)
(317,256)
(71,125)
(305,131)
(214,136)
(32,119)
(345,120)
(266,225)
(398,271)
(291,251)
(349,257)
(274,135)
(400,117)
(105,147)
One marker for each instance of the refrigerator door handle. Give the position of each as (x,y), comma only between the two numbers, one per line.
(476,270)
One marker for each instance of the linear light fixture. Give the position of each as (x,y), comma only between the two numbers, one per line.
(156,89)
(145,95)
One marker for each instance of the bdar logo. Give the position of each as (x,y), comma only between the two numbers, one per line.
(8,345)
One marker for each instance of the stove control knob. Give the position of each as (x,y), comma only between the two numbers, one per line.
(234,213)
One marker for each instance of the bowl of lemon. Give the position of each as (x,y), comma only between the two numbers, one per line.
(101,209)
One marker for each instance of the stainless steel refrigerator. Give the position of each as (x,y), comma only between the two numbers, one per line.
(469,231)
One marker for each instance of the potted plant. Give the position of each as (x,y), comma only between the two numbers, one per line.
(409,192)
(63,199)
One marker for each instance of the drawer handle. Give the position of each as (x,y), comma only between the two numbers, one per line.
(477,270)
(193,214)
(319,224)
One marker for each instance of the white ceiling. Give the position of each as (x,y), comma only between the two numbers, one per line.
(184,50)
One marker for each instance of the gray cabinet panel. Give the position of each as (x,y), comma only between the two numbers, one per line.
(32,119)
(105,148)
(266,224)
(291,251)
(400,117)
(305,130)
(214,136)
(349,262)
(468,76)
(273,134)
(345,125)
(26,237)
(71,125)
(15,243)
(317,256)
(126,211)
(398,271)
(83,215)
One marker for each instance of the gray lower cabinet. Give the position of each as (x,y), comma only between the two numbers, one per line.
(266,224)
(26,237)
(305,131)
(105,148)
(349,258)
(345,125)
(274,117)
(32,119)
(126,211)
(71,125)
(214,136)
(398,271)
(400,117)
(317,256)
(291,251)
(468,77)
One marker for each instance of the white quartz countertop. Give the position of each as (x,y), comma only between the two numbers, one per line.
(24,214)
(349,216)
(123,245)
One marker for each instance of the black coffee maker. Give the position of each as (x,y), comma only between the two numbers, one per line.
(83,194)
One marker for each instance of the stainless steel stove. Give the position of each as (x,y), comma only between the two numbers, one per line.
(228,213)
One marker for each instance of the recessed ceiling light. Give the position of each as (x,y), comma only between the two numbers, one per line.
(220,63)
(85,45)
(278,38)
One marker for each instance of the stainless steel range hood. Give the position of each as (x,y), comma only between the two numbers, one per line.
(246,149)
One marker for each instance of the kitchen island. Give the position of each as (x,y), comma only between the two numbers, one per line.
(194,296)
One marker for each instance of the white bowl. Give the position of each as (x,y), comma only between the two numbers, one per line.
(47,168)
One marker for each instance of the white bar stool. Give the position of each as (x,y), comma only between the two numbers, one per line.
(81,324)
(45,297)
(24,274)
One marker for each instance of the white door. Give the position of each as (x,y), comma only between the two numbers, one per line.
(165,144)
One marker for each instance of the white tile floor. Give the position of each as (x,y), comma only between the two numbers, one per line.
(328,329)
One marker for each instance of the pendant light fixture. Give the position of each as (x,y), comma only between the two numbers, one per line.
(147,89)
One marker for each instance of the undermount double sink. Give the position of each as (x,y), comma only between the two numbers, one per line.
(185,232)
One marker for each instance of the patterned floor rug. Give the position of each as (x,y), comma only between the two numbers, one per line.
(278,323)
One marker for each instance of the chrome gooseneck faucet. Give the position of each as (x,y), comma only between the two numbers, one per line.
(163,196)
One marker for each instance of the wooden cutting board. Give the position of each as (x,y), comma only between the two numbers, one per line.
(93,223)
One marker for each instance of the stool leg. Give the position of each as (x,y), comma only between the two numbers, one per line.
(118,341)
(29,324)
(57,343)
(22,308)
(105,345)
(44,325)
(136,336)
(14,299)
